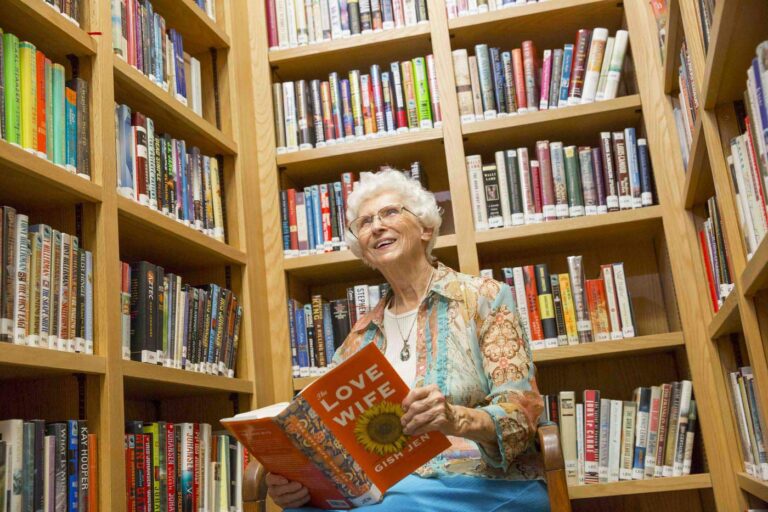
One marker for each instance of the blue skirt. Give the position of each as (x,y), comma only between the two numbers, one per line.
(460,492)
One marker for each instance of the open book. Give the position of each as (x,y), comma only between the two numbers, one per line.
(341,436)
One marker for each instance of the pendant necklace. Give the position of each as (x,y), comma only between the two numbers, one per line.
(405,353)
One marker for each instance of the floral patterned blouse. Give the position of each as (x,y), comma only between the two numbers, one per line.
(471,344)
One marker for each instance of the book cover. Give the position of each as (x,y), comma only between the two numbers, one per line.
(341,437)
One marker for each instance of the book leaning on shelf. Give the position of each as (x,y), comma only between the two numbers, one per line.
(715,253)
(456,8)
(561,181)
(400,98)
(319,328)
(141,38)
(292,23)
(341,436)
(47,466)
(606,441)
(314,220)
(41,111)
(169,323)
(748,158)
(493,83)
(752,432)
(46,286)
(182,467)
(161,172)
(686,106)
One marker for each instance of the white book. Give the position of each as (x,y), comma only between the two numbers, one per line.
(409,12)
(12,432)
(21,281)
(740,150)
(477,192)
(210,9)
(289,111)
(207,477)
(629,414)
(594,64)
(559,179)
(607,54)
(625,304)
(501,171)
(567,406)
(614,445)
(290,23)
(324,21)
(335,16)
(613,303)
(197,91)
(682,428)
(580,443)
(521,300)
(374,295)
(361,300)
(526,189)
(312,24)
(617,63)
(604,443)
(642,399)
(741,423)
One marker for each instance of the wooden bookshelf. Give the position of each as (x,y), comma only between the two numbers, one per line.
(727,320)
(755,275)
(699,185)
(753,486)
(671,51)
(654,485)
(199,31)
(18,360)
(143,380)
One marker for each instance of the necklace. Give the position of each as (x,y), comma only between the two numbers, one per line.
(405,353)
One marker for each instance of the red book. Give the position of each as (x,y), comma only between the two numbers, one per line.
(531,75)
(140,469)
(170,465)
(536,186)
(591,435)
(274,43)
(196,487)
(597,304)
(710,278)
(547,182)
(325,213)
(579,69)
(519,74)
(328,120)
(130,472)
(149,495)
(347,185)
(532,298)
(139,123)
(292,223)
(130,24)
(41,126)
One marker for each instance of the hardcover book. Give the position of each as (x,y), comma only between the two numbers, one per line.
(341,436)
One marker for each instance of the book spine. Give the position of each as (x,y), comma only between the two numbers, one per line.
(646,176)
(546,306)
(594,64)
(612,302)
(565,75)
(604,440)
(591,435)
(548,197)
(532,300)
(622,171)
(497,73)
(625,303)
(643,401)
(378,100)
(557,301)
(546,78)
(477,95)
(567,414)
(617,62)
(573,182)
(513,183)
(530,74)
(597,168)
(421,85)
(521,301)
(475,172)
(588,182)
(520,80)
(598,313)
(583,322)
(607,54)
(627,440)
(510,93)
(653,432)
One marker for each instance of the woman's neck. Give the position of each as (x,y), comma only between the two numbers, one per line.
(409,284)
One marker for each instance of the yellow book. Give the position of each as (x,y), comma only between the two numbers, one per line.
(569,310)
(28,75)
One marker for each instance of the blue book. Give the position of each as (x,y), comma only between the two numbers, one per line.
(125,151)
(214,291)
(646,181)
(760,97)
(499,84)
(340,212)
(285,222)
(292,335)
(565,76)
(630,138)
(70,114)
(301,340)
(317,214)
(330,347)
(72,458)
(643,399)
(310,218)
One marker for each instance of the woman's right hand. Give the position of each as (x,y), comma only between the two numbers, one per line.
(286,493)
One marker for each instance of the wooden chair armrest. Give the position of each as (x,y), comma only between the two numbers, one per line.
(554,467)
(255,485)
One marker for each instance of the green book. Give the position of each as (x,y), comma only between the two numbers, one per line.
(2,97)
(70,106)
(153,429)
(12,80)
(59,120)
(573,182)
(421,84)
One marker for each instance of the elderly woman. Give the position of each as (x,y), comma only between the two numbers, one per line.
(458,342)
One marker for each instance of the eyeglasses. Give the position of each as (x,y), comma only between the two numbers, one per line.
(387,216)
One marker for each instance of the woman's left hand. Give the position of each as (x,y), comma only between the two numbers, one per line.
(426,410)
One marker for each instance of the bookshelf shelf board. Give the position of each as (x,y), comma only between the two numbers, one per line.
(734,36)
(48,30)
(573,233)
(200,32)
(544,23)
(147,234)
(653,485)
(31,181)
(170,115)
(619,348)
(19,361)
(727,320)
(755,275)
(699,183)
(362,154)
(557,124)
(343,265)
(300,383)
(675,33)
(753,486)
(340,55)
(147,381)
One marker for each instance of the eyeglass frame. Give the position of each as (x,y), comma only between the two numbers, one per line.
(376,215)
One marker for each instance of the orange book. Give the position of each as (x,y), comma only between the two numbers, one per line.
(341,436)
(534,317)
(598,309)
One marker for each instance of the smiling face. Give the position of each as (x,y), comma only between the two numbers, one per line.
(401,242)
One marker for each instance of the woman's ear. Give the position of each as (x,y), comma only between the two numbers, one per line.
(426,234)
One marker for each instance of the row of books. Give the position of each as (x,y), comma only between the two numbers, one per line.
(176,325)
(686,106)
(70,9)
(292,23)
(314,220)
(716,259)
(182,467)
(48,466)
(39,110)
(748,159)
(566,309)
(364,105)
(46,286)
(494,83)
(208,6)
(456,8)
(752,432)
(140,37)
(163,173)
(606,440)
(561,182)
(318,328)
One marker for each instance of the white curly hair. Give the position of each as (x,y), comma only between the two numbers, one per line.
(413,196)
